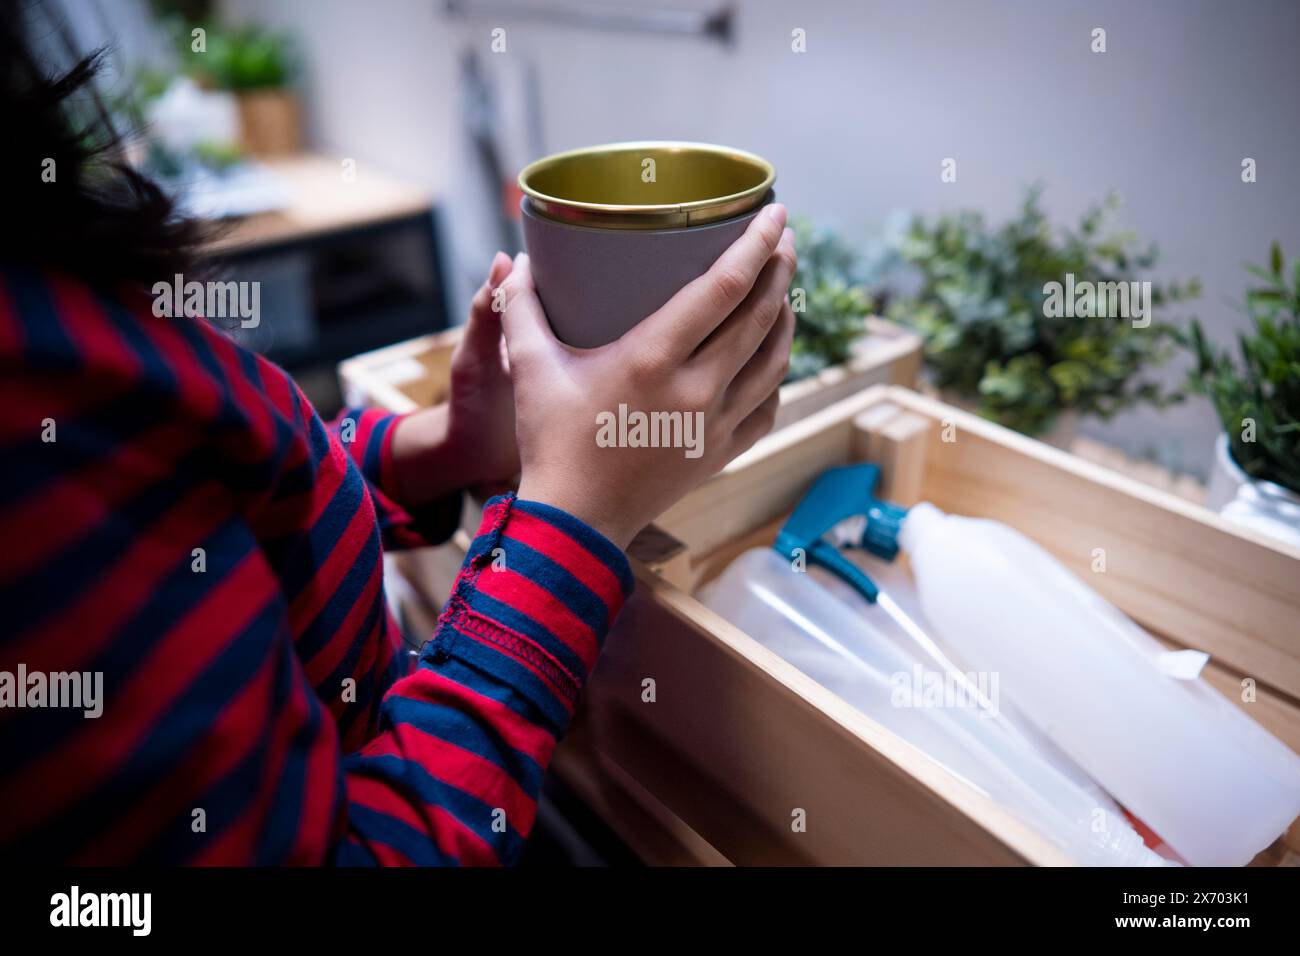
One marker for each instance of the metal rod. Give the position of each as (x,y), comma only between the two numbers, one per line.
(715,25)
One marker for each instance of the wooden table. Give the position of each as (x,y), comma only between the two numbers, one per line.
(323,204)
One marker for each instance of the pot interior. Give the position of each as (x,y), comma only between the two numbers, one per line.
(647,185)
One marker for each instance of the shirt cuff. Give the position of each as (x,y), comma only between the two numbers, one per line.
(537,594)
(371,449)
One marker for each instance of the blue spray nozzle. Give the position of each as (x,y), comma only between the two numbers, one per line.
(837,495)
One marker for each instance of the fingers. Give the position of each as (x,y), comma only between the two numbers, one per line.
(734,342)
(483,329)
(485,297)
(527,331)
(690,316)
(757,424)
(765,371)
(501,266)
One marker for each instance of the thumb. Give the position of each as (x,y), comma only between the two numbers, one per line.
(527,330)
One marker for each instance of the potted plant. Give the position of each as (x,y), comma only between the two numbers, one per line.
(1255,475)
(254,64)
(997,338)
(251,63)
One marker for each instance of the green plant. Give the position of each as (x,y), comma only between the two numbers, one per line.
(189,11)
(241,58)
(218,156)
(238,58)
(991,337)
(1258,401)
(829,300)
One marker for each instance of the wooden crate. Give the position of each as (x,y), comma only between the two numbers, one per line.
(737,740)
(403,377)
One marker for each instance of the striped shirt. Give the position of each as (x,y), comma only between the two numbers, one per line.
(175,517)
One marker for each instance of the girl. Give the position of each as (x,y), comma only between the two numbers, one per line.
(178,522)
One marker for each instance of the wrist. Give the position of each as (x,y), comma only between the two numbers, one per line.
(606,521)
(427,465)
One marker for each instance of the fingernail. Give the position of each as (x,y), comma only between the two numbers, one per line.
(787,235)
(776,211)
(521,260)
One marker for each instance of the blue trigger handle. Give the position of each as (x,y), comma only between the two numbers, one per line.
(826,555)
(841,493)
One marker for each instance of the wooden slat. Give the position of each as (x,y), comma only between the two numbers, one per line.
(763,482)
(403,377)
(656,835)
(898,445)
(888,353)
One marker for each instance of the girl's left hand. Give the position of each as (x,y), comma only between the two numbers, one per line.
(467,443)
(482,406)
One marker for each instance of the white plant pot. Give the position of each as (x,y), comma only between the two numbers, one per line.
(1264,506)
(186,116)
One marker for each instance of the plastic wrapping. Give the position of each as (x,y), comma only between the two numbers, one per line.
(877,659)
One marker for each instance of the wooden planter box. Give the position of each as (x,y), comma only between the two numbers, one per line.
(737,739)
(269,123)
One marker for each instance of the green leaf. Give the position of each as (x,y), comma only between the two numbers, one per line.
(979,304)
(835,300)
(1263,384)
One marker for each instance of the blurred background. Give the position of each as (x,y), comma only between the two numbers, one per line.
(362,157)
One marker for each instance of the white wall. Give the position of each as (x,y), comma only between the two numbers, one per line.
(858,125)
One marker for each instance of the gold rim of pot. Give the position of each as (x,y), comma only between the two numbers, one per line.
(598,185)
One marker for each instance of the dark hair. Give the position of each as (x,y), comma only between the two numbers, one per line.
(76,205)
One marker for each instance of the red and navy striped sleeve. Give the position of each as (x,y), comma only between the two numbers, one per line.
(184,530)
(366,434)
(492,694)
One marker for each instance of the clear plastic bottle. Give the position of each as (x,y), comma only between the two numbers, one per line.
(878,661)
(1215,785)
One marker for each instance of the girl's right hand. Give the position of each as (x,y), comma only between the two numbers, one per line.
(716,354)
